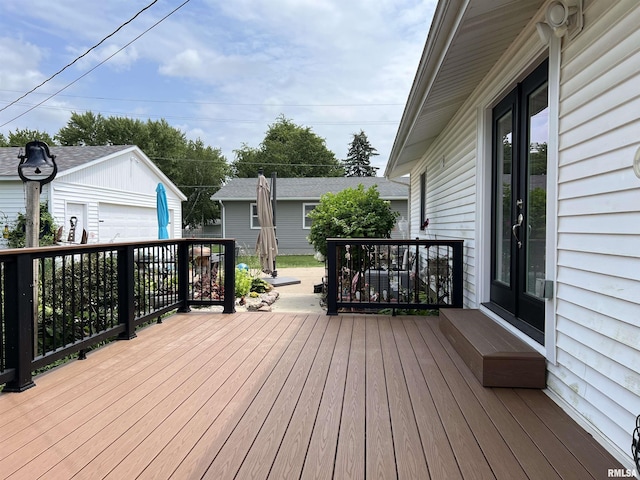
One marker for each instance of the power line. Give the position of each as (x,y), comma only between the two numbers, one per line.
(99,64)
(78,58)
(230,104)
(208,119)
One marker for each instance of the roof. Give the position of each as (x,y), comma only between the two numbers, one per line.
(70,158)
(66,157)
(465,40)
(310,188)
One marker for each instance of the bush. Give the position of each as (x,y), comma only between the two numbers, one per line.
(351,213)
(17,235)
(244,280)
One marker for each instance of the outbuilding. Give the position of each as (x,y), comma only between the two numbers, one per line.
(110,190)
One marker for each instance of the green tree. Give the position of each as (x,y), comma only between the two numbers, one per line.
(358,162)
(351,213)
(290,150)
(20,138)
(84,129)
(3,141)
(204,171)
(197,169)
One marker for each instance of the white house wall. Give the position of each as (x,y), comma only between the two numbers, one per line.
(595,360)
(598,272)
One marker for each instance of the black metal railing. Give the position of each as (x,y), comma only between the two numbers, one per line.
(58,301)
(376,274)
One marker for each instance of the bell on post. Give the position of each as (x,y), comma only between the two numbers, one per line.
(37,164)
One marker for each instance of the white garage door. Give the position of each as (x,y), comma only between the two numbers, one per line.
(124,223)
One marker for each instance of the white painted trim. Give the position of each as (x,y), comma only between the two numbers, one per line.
(483,204)
(550,326)
(304,216)
(251,225)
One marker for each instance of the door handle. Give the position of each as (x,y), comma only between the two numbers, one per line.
(515,227)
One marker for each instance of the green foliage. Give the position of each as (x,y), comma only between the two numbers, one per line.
(290,150)
(81,299)
(243,284)
(17,235)
(358,162)
(198,170)
(20,138)
(352,213)
(259,285)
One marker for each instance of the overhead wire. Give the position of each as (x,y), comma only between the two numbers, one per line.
(97,65)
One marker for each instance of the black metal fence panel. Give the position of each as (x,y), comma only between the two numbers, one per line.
(57,301)
(379,274)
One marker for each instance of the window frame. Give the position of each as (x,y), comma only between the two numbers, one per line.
(254,223)
(305,213)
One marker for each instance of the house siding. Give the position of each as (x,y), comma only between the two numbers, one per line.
(292,238)
(595,360)
(598,268)
(450,166)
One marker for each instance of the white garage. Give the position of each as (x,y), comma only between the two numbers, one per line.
(117,221)
(109,192)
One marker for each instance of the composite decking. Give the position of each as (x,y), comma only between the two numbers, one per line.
(267,395)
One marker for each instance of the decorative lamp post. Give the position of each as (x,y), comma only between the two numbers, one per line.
(37,167)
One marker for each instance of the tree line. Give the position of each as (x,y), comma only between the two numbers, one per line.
(200,170)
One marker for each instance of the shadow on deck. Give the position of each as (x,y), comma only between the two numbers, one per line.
(286,396)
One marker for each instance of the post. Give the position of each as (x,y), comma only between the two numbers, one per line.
(18,311)
(229,276)
(32,227)
(332,277)
(126,293)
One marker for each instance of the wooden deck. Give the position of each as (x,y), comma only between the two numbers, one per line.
(278,396)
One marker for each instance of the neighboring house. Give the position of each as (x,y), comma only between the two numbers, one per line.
(295,198)
(511,130)
(111,190)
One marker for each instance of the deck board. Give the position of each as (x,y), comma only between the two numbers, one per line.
(279,395)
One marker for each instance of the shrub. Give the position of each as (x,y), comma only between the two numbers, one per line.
(351,213)
(17,235)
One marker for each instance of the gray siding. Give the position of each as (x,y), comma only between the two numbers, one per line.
(292,237)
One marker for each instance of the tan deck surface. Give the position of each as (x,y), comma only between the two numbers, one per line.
(280,395)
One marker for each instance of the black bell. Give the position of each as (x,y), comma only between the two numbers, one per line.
(37,164)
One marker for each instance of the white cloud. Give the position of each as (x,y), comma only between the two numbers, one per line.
(241,63)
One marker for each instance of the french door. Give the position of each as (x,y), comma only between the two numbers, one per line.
(520,138)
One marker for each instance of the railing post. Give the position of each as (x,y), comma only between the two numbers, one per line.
(18,309)
(126,294)
(458,275)
(183,276)
(229,276)
(332,278)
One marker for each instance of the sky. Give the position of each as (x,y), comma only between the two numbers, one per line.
(221,71)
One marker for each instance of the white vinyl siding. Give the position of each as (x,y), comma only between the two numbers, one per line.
(451,199)
(593,330)
(598,283)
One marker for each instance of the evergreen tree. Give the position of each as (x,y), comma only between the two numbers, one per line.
(358,162)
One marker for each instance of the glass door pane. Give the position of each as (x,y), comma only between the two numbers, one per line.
(503,199)
(535,236)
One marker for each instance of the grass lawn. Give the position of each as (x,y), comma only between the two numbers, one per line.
(286,261)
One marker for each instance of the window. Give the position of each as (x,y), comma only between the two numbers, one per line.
(255,223)
(423,200)
(306,209)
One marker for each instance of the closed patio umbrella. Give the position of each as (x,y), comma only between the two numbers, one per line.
(163,212)
(266,245)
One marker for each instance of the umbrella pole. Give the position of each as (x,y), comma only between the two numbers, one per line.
(274,273)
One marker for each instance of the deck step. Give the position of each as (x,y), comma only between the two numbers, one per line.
(495,356)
